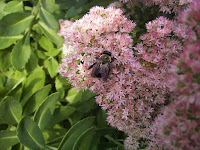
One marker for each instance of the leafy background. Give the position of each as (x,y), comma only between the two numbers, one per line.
(39,109)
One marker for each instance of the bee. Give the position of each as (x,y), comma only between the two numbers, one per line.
(145,63)
(101,68)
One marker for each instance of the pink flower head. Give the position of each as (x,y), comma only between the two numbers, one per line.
(168,6)
(98,31)
(178,126)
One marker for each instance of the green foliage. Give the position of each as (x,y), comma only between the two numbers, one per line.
(38,108)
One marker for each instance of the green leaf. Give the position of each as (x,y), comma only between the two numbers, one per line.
(8,139)
(33,83)
(84,141)
(5,60)
(10,111)
(3,91)
(53,53)
(32,62)
(51,34)
(7,41)
(13,76)
(2,79)
(13,6)
(61,114)
(30,135)
(49,5)
(36,100)
(45,43)
(52,67)
(74,96)
(75,132)
(40,54)
(46,110)
(65,4)
(16,85)
(61,85)
(2,13)
(15,23)
(21,52)
(48,19)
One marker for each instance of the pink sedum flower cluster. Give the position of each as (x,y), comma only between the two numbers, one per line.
(160,46)
(167,6)
(98,31)
(139,83)
(179,126)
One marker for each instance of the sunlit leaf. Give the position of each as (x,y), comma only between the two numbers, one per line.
(21,52)
(13,6)
(15,23)
(46,43)
(7,41)
(52,67)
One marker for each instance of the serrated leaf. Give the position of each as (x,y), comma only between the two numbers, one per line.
(10,111)
(48,19)
(7,41)
(45,43)
(8,139)
(46,110)
(75,132)
(36,100)
(30,135)
(15,23)
(21,52)
(13,6)
(33,83)
(49,5)
(52,67)
(5,60)
(51,34)
(32,62)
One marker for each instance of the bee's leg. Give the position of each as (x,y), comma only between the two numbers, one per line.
(91,66)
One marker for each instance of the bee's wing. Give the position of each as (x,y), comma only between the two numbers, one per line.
(105,69)
(96,70)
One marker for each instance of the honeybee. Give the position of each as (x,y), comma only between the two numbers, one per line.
(101,68)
